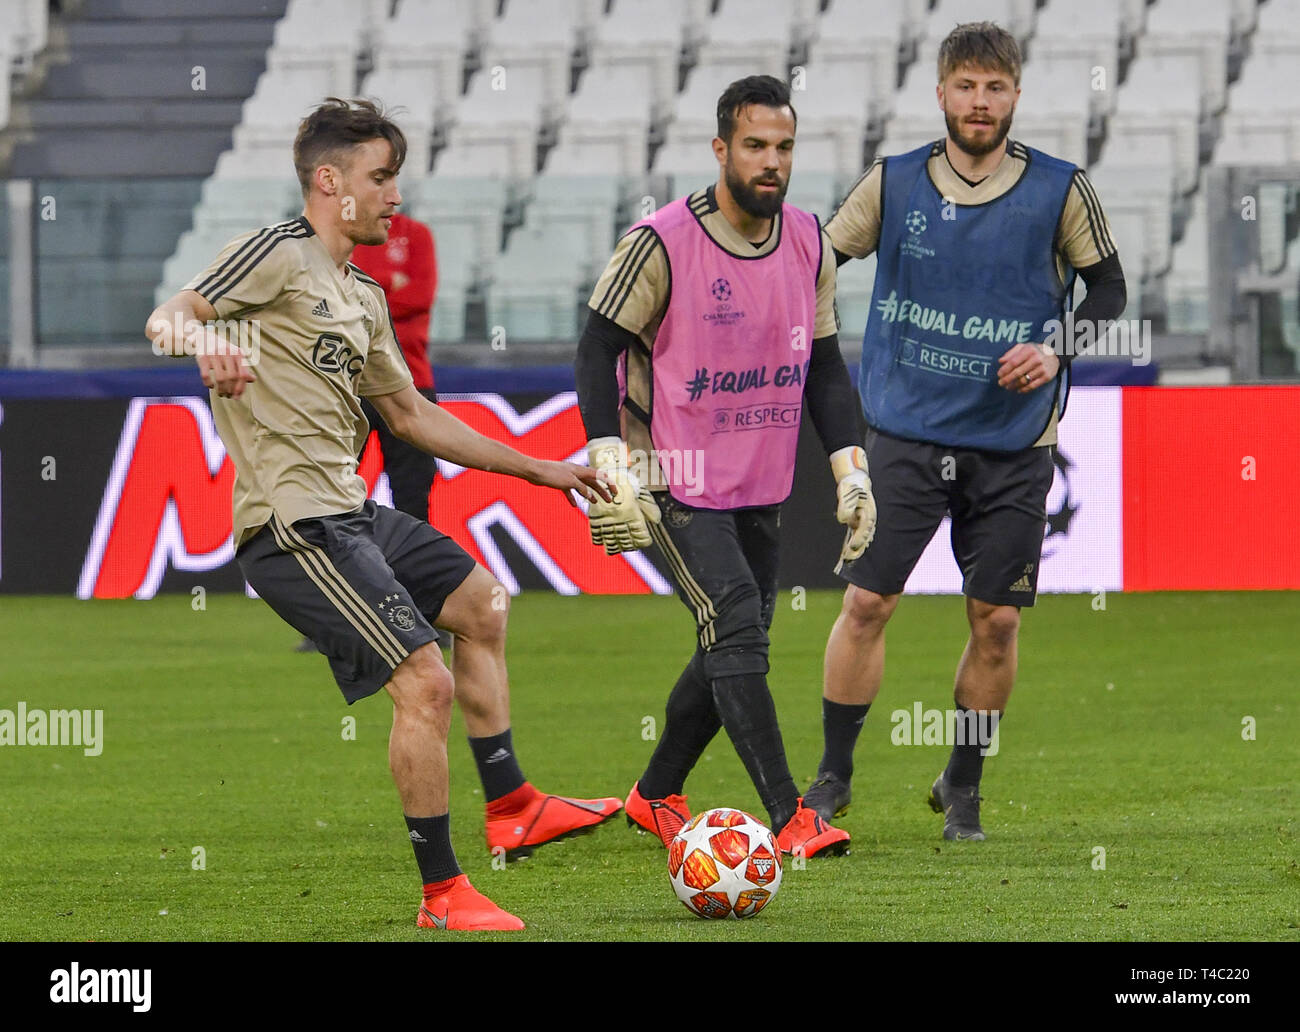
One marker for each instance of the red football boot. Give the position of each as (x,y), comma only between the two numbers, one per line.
(662,817)
(807,835)
(543,818)
(462,908)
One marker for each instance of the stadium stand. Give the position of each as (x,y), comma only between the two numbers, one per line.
(540,129)
(852,33)
(1187,295)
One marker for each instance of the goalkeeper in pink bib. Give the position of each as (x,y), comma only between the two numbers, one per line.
(711,326)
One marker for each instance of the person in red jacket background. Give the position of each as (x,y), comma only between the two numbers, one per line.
(407,269)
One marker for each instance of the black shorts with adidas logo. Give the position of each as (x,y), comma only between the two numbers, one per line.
(365,586)
(998,504)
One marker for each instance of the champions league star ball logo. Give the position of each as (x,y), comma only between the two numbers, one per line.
(915,222)
(721,289)
(1061,506)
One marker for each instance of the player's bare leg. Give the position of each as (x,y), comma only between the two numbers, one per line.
(985,677)
(421,689)
(519,817)
(476,613)
(987,670)
(852,672)
(855,651)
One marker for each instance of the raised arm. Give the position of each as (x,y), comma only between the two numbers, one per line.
(427,426)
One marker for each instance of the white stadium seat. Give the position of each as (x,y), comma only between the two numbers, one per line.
(854,282)
(534,291)
(325,34)
(647,35)
(1157,118)
(4,82)
(917,119)
(858,32)
(630,53)
(538,36)
(1187,283)
(24,32)
(1127,191)
(409,93)
(1055,108)
(497,123)
(235,205)
(609,120)
(1197,28)
(1261,125)
(426,41)
(834,107)
(752,36)
(1069,31)
(1278,29)
(470,210)
(281,99)
(581,206)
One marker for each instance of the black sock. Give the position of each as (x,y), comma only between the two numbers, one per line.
(749,715)
(431,840)
(497,767)
(841,723)
(690,723)
(974,731)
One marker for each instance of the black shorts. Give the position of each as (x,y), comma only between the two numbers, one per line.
(365,586)
(724,563)
(998,504)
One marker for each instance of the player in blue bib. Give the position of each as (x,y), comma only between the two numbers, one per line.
(978,239)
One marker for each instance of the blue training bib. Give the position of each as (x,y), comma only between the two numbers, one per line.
(956,287)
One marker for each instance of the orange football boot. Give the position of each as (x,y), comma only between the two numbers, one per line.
(807,834)
(662,817)
(462,908)
(545,819)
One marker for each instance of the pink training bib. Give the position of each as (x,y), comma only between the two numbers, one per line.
(730,358)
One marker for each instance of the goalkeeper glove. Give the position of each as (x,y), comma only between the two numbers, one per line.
(620,524)
(856,508)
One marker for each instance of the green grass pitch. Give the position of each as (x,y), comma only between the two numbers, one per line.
(1127,732)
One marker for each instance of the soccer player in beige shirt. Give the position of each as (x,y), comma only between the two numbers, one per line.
(365,582)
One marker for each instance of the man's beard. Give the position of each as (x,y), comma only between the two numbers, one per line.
(971,147)
(371,237)
(746,195)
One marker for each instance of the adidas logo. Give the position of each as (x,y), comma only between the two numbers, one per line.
(323,310)
(417,837)
(1022,585)
(498,756)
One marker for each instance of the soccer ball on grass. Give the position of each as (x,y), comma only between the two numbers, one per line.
(724,863)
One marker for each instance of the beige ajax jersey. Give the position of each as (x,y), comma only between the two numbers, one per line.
(322,339)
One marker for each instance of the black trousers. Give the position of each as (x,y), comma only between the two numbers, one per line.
(725,565)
